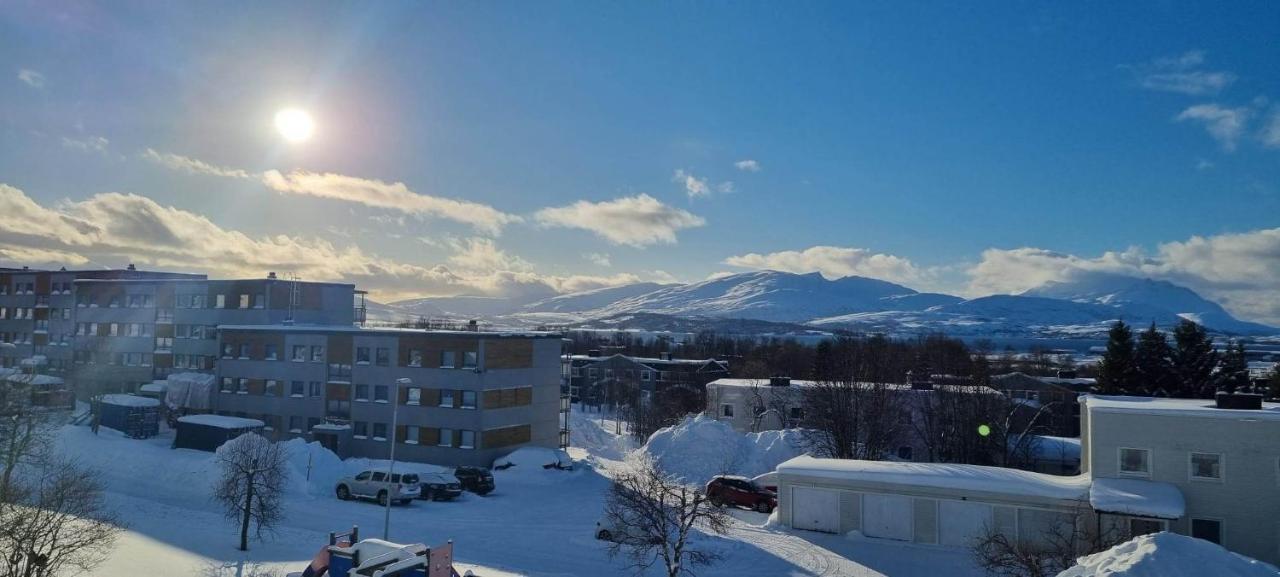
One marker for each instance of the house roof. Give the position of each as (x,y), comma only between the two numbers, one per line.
(942,476)
(1175,407)
(130,401)
(645,360)
(1137,497)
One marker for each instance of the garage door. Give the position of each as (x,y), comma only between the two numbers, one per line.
(960,522)
(815,509)
(886,516)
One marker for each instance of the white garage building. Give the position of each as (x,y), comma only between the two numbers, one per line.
(949,504)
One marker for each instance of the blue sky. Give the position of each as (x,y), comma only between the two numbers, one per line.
(973,149)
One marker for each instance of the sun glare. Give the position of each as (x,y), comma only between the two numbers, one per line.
(295,125)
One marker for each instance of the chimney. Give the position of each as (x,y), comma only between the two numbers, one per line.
(665,356)
(779,381)
(271,275)
(473,326)
(131,267)
(1066,373)
(593,353)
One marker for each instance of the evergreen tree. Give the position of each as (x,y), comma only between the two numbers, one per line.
(1233,375)
(1116,374)
(1273,385)
(1194,361)
(1153,363)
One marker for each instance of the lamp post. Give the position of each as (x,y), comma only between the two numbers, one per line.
(395,410)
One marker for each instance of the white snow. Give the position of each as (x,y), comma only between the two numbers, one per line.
(974,478)
(1175,407)
(526,458)
(221,421)
(701,447)
(42,380)
(1137,497)
(1168,555)
(130,401)
(156,387)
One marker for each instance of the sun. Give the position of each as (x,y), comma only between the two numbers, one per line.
(295,125)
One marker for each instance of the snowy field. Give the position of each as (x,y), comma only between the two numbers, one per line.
(537,522)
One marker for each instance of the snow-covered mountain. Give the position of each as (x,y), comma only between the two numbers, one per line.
(592,299)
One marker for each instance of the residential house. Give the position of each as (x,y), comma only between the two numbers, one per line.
(1053,399)
(589,376)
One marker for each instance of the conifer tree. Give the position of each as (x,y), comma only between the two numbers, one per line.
(1152,362)
(1233,375)
(1194,361)
(1116,371)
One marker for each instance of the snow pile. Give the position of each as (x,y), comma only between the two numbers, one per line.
(701,447)
(533,458)
(586,433)
(1168,555)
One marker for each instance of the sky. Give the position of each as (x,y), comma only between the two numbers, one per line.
(527,149)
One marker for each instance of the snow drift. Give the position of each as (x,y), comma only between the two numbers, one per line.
(701,447)
(1168,555)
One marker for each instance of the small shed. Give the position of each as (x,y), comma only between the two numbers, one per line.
(46,391)
(155,390)
(136,417)
(208,432)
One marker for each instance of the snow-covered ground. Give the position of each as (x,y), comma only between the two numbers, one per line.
(537,523)
(1168,555)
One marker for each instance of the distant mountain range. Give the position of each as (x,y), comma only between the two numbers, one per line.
(796,302)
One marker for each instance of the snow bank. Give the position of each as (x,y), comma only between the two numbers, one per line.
(586,433)
(701,447)
(533,458)
(1168,555)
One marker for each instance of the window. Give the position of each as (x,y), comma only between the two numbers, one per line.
(269,352)
(244,350)
(446,438)
(362,392)
(726,410)
(1206,467)
(317,353)
(220,301)
(380,431)
(470,359)
(1139,527)
(468,440)
(363,476)
(446,359)
(227,385)
(259,301)
(1208,529)
(244,301)
(592,373)
(384,357)
(314,388)
(164,343)
(299,353)
(446,397)
(362,355)
(644,375)
(296,389)
(242,386)
(360,430)
(379,393)
(414,396)
(415,358)
(183,302)
(228,350)
(295,424)
(411,435)
(1135,461)
(198,301)
(468,399)
(378,477)
(272,388)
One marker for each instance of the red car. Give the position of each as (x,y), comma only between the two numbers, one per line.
(740,492)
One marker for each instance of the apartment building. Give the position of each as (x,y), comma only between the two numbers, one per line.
(589,375)
(1055,398)
(37,312)
(472,396)
(130,331)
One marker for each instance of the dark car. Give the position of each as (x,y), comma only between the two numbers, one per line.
(740,492)
(439,487)
(478,480)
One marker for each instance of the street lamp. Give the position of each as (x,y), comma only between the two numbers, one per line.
(391,470)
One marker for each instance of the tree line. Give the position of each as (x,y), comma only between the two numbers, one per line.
(1188,367)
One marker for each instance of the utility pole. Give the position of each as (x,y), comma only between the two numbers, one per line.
(395,409)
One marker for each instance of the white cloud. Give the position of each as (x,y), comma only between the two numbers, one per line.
(1182,74)
(725,187)
(1241,270)
(1270,134)
(638,221)
(747,165)
(191,165)
(835,262)
(598,259)
(479,254)
(86,143)
(389,195)
(695,187)
(31,78)
(1224,124)
(1203,164)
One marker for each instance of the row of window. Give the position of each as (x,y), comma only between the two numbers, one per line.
(16,338)
(220,301)
(17,313)
(1200,466)
(117,359)
(115,329)
(20,288)
(381,356)
(139,301)
(645,375)
(206,332)
(198,362)
(271,387)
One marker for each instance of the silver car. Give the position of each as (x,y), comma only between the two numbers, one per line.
(401,487)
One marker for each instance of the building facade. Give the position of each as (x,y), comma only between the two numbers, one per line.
(1055,399)
(128,332)
(589,376)
(471,397)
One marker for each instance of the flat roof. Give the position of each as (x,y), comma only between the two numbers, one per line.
(317,329)
(1175,407)
(207,280)
(1137,497)
(222,421)
(942,476)
(644,359)
(737,382)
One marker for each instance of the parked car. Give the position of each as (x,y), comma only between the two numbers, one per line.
(478,480)
(740,492)
(401,488)
(606,530)
(438,487)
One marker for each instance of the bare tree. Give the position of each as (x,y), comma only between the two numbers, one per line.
(1052,551)
(55,523)
(977,425)
(658,516)
(846,419)
(25,431)
(254,473)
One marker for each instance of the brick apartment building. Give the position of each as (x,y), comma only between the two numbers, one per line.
(474,396)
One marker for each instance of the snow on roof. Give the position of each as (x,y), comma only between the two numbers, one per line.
(297,328)
(1137,497)
(221,421)
(644,360)
(1168,555)
(1175,407)
(759,383)
(1047,447)
(330,427)
(976,478)
(130,401)
(764,384)
(157,387)
(33,379)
